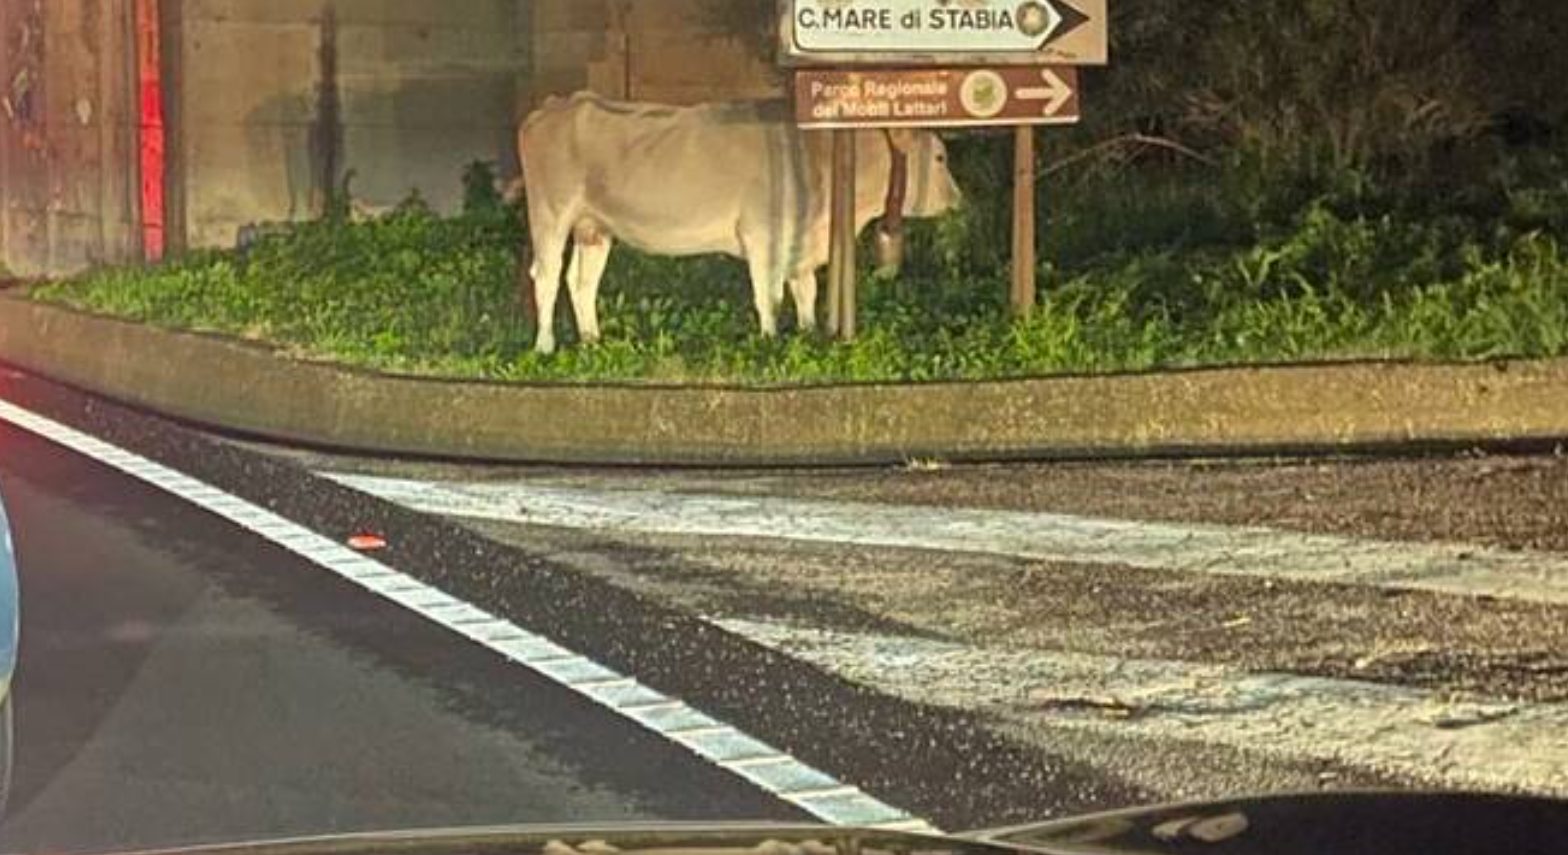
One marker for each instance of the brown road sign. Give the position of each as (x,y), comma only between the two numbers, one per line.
(936,97)
(938,33)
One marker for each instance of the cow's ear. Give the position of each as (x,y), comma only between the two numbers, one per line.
(903,139)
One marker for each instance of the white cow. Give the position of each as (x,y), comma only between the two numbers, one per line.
(735,178)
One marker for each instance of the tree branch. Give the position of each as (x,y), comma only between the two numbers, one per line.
(1125,141)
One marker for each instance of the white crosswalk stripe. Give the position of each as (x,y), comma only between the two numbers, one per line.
(1399,731)
(1458,569)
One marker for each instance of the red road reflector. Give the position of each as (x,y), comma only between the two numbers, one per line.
(367,542)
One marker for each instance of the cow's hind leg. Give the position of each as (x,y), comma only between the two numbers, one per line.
(590,254)
(767,289)
(549,252)
(804,288)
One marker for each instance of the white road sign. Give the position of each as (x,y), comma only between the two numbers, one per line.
(1055,31)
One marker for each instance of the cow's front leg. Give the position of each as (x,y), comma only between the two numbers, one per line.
(590,255)
(804,289)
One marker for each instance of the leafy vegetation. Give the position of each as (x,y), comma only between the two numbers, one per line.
(1406,91)
(1179,274)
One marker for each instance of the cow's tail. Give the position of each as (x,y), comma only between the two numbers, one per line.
(516,194)
(516,190)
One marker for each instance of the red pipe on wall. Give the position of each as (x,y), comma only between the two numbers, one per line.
(151,134)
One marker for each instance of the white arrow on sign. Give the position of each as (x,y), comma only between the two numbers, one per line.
(1055,93)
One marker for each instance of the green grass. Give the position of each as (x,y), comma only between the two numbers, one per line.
(1127,289)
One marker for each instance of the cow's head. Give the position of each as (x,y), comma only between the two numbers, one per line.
(932,189)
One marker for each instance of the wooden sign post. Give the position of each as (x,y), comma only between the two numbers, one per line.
(1024,250)
(936,64)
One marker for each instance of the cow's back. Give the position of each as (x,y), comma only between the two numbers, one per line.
(675,180)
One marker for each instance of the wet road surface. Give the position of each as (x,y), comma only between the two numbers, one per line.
(1196,628)
(907,753)
(184,681)
(1048,686)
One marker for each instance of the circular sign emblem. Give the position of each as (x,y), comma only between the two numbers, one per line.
(984,94)
(1034,19)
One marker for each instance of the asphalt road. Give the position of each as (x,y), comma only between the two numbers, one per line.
(184,681)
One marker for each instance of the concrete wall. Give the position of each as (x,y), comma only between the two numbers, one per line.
(674,60)
(68,180)
(577,45)
(422,90)
(243,388)
(282,98)
(644,50)
(273,102)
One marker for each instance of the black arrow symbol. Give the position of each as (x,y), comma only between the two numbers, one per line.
(1072,19)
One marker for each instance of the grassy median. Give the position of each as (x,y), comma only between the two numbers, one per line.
(1170,275)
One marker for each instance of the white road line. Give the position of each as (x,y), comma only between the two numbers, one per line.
(1416,734)
(652,707)
(605,685)
(698,732)
(773,760)
(521,646)
(915,826)
(824,793)
(1457,569)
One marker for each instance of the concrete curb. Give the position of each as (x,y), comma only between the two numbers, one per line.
(247,389)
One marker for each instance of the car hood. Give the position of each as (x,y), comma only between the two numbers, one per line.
(1344,823)
(653,839)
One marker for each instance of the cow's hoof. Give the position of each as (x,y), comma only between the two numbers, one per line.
(545,348)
